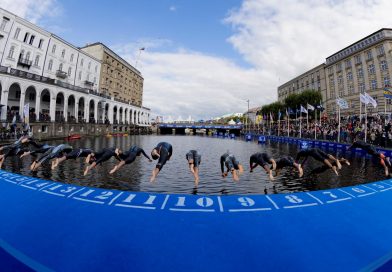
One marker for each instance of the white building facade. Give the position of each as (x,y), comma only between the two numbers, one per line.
(58,80)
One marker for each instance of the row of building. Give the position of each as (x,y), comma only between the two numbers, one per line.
(364,66)
(63,82)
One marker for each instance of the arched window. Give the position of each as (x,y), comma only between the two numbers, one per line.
(89,65)
(28,56)
(80,75)
(17,31)
(36,62)
(61,67)
(69,71)
(71,59)
(81,62)
(54,49)
(11,53)
(63,53)
(21,55)
(50,66)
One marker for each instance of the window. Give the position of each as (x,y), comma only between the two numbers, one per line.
(89,65)
(11,53)
(81,62)
(61,67)
(32,39)
(80,75)
(26,37)
(360,72)
(341,92)
(361,87)
(380,50)
(28,56)
(386,81)
(16,35)
(41,41)
(96,68)
(349,76)
(71,59)
(340,79)
(350,89)
(330,71)
(358,59)
(54,49)
(383,65)
(95,79)
(373,85)
(4,23)
(348,63)
(371,69)
(36,62)
(69,71)
(63,53)
(50,65)
(369,55)
(339,67)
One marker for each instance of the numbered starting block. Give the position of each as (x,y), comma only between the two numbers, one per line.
(261,140)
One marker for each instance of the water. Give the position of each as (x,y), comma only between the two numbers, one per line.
(175,176)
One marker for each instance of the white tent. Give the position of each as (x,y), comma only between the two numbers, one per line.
(231,122)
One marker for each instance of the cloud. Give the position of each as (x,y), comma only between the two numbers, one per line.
(173,8)
(32,10)
(279,39)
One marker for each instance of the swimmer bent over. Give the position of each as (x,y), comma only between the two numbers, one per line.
(232,166)
(163,151)
(194,160)
(262,159)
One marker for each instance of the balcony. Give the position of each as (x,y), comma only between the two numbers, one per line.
(88,83)
(61,74)
(24,62)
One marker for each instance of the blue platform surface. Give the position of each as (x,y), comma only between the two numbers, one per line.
(52,226)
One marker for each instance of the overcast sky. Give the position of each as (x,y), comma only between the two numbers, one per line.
(205,58)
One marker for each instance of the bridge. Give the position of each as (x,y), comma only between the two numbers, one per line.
(180,128)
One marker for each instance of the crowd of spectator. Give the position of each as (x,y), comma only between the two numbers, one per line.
(378,130)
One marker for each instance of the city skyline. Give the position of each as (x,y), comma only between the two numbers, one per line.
(207,60)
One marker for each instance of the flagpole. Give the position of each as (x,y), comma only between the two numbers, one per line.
(339,125)
(315,124)
(300,124)
(307,118)
(288,123)
(279,125)
(365,122)
(385,111)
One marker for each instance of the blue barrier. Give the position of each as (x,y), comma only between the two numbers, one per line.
(52,226)
(261,140)
(248,137)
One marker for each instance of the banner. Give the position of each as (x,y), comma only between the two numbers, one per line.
(304,110)
(387,93)
(26,113)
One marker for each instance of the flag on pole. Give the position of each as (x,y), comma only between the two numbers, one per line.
(342,103)
(279,115)
(387,93)
(26,113)
(371,100)
(304,110)
(363,99)
(310,107)
(287,112)
(271,117)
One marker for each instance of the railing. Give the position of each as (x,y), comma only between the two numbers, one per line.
(61,74)
(24,62)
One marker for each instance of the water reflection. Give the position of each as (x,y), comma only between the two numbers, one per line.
(176,178)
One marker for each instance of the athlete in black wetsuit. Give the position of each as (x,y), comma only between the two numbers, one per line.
(231,164)
(371,150)
(163,152)
(324,168)
(129,157)
(16,148)
(262,159)
(97,158)
(287,162)
(52,153)
(194,160)
(73,155)
(320,156)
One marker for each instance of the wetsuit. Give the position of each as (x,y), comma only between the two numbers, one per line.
(370,149)
(104,155)
(165,150)
(315,153)
(261,159)
(133,152)
(230,161)
(78,153)
(285,162)
(55,152)
(18,148)
(193,155)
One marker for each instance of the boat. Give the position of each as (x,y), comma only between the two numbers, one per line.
(74,137)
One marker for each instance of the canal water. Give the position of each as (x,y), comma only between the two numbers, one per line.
(175,176)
